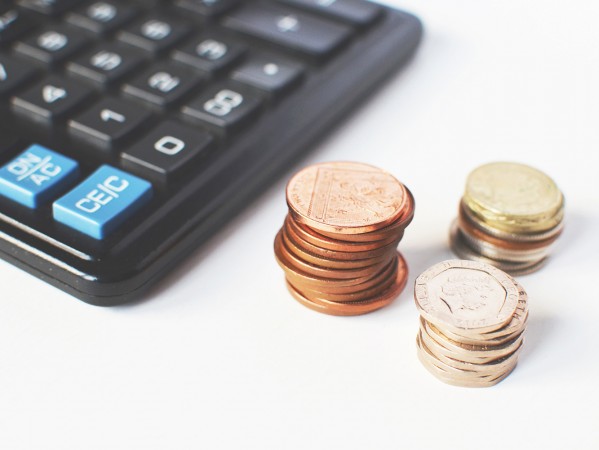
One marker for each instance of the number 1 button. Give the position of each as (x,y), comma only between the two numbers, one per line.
(169,150)
(108,123)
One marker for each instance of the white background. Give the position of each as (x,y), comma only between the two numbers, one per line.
(221,357)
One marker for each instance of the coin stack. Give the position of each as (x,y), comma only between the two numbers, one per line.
(509,217)
(338,246)
(472,322)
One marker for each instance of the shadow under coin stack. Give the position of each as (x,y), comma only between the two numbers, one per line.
(338,246)
(509,217)
(472,323)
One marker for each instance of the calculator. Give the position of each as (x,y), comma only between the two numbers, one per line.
(132,131)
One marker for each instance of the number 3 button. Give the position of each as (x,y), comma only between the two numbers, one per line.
(169,150)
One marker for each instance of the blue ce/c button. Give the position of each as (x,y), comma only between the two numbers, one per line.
(36,176)
(102,202)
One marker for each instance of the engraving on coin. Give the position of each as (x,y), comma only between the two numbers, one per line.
(466,295)
(346,197)
(513,189)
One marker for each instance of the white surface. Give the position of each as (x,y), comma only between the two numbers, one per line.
(221,357)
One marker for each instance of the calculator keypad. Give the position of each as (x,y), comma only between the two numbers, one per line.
(126,124)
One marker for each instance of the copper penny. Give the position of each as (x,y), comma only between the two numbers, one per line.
(336,249)
(357,294)
(328,288)
(322,271)
(345,197)
(357,308)
(392,229)
(297,275)
(335,263)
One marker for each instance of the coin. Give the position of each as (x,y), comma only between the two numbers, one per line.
(472,324)
(345,197)
(514,197)
(462,250)
(357,307)
(466,296)
(383,248)
(510,216)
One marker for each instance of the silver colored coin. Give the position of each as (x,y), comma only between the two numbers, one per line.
(496,253)
(462,250)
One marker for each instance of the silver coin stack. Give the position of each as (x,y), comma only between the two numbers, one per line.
(473,318)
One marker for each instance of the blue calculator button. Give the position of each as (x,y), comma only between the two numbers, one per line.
(36,176)
(102,202)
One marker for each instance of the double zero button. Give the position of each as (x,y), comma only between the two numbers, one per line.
(96,207)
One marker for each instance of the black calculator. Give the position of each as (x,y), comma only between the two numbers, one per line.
(131,131)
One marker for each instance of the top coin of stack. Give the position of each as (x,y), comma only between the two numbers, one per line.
(509,217)
(338,244)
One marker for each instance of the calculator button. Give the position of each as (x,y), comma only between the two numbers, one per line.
(51,99)
(48,7)
(13,23)
(52,44)
(102,202)
(36,176)
(108,123)
(210,54)
(155,34)
(206,8)
(107,64)
(295,30)
(356,12)
(170,149)
(13,74)
(272,75)
(102,17)
(162,85)
(224,107)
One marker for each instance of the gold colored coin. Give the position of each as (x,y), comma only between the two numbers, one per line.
(514,197)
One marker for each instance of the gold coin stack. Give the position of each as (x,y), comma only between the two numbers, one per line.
(509,217)
(338,246)
(472,323)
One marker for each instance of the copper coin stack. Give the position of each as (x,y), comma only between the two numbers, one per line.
(472,323)
(338,246)
(509,217)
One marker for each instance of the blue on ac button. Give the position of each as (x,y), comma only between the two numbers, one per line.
(103,202)
(36,176)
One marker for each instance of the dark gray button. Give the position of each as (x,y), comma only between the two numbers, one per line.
(51,99)
(270,74)
(162,84)
(52,44)
(356,12)
(298,31)
(108,123)
(169,150)
(107,64)
(224,107)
